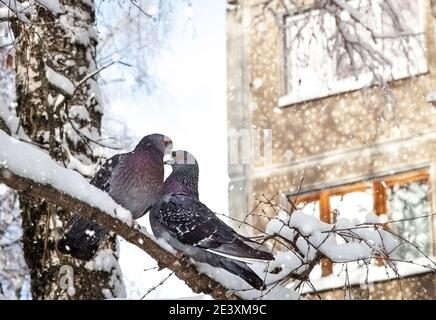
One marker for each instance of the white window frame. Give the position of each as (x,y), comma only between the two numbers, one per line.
(332,85)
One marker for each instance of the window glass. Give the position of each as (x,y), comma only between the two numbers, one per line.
(411,201)
(326,54)
(354,206)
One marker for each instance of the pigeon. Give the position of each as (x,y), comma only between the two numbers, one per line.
(133,180)
(190,227)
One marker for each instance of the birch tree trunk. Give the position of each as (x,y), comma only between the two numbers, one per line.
(55,50)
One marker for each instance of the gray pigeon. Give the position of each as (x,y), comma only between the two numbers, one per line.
(195,231)
(133,180)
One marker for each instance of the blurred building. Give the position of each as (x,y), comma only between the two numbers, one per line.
(345,102)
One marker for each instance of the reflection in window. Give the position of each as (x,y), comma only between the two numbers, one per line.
(320,61)
(352,206)
(406,202)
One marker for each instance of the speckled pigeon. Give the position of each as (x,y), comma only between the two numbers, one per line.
(133,180)
(194,230)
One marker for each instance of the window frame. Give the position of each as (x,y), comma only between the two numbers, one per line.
(286,99)
(380,200)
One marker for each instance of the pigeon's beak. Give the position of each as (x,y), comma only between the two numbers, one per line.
(168,145)
(170,158)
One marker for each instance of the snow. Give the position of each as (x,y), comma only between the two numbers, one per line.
(90,232)
(358,275)
(103,261)
(59,81)
(52,5)
(106,260)
(15,8)
(14,275)
(77,165)
(361,243)
(77,30)
(314,72)
(28,162)
(431,96)
(356,247)
(78,111)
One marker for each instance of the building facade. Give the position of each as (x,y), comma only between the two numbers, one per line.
(338,104)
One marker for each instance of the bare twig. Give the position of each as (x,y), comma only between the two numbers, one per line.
(157,286)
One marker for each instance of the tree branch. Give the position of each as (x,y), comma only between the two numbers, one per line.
(14,9)
(134,234)
(4,127)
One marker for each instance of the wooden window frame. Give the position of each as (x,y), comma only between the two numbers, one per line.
(380,200)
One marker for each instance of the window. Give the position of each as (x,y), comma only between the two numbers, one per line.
(327,54)
(400,196)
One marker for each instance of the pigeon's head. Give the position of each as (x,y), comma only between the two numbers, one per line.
(184,177)
(156,141)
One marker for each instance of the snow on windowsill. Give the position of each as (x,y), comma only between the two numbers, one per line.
(289,100)
(347,85)
(338,87)
(373,273)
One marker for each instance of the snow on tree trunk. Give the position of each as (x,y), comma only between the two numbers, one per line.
(14,275)
(54,52)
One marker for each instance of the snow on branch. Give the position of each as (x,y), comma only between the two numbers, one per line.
(15,9)
(31,171)
(20,10)
(59,81)
(305,241)
(53,5)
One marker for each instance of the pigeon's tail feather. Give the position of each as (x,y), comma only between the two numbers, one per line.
(242,250)
(81,238)
(241,270)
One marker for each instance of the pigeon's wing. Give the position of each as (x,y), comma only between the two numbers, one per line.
(102,177)
(187,219)
(82,237)
(193,223)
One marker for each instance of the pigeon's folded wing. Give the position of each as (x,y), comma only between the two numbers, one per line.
(102,177)
(193,223)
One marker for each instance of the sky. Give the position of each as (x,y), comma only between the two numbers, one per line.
(190,107)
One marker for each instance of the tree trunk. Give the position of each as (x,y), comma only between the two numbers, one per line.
(53,53)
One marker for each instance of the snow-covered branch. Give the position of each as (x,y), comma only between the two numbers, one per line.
(21,9)
(30,171)
(305,241)
(15,9)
